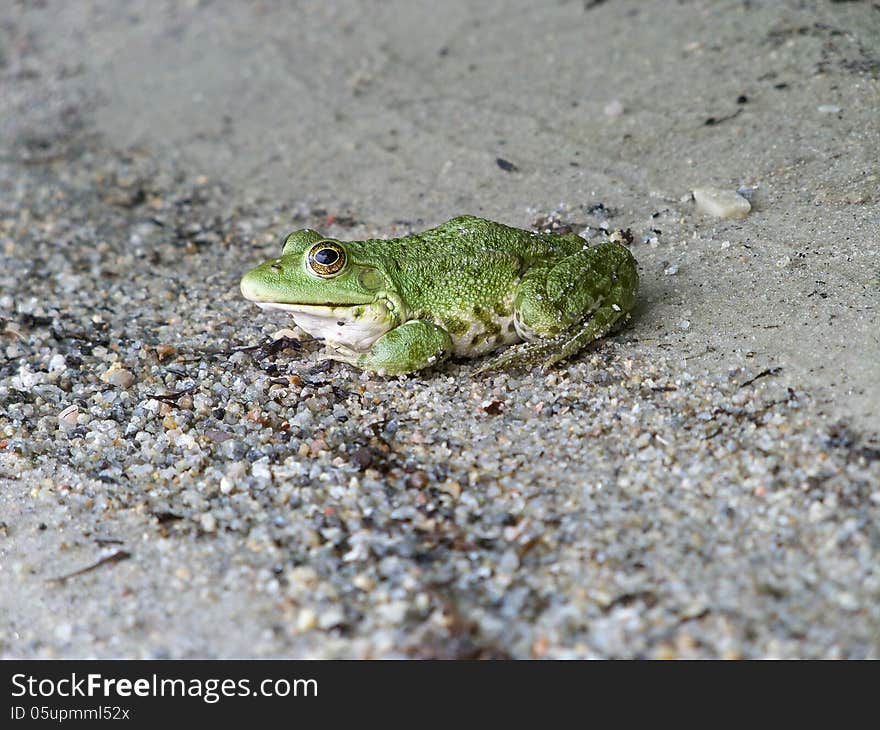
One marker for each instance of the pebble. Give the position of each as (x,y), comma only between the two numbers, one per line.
(117,375)
(721,203)
(57,363)
(828,109)
(69,415)
(306,620)
(614,109)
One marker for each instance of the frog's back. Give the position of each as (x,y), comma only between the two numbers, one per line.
(467,232)
(464,261)
(463,276)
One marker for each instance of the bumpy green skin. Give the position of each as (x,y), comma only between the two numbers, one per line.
(465,288)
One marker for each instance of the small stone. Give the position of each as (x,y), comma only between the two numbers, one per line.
(261,470)
(721,203)
(685,324)
(828,109)
(306,620)
(452,488)
(116,375)
(57,363)
(393,613)
(331,617)
(163,352)
(817,512)
(614,108)
(69,415)
(217,436)
(671,270)
(209,522)
(361,457)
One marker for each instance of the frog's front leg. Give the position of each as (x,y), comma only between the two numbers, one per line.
(414,345)
(561,308)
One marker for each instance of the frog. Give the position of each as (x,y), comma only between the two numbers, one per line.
(466,288)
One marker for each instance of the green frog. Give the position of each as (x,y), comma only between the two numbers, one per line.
(465,288)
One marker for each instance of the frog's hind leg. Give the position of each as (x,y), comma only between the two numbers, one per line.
(525,354)
(562,308)
(548,351)
(604,320)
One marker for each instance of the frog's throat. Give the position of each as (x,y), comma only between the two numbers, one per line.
(354,326)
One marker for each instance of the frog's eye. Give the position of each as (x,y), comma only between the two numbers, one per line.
(326,259)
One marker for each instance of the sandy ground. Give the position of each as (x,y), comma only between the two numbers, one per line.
(705,483)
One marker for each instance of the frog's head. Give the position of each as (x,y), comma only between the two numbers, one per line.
(323,282)
(315,270)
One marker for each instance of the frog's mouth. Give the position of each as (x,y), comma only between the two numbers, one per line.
(354,326)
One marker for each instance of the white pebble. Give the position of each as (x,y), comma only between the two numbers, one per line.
(69,415)
(260,469)
(721,203)
(57,363)
(392,613)
(671,270)
(614,108)
(685,324)
(306,620)
(331,617)
(27,379)
(115,375)
(828,109)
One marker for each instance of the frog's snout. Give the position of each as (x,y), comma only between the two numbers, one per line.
(250,286)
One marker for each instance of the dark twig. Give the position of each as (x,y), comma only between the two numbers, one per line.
(116,557)
(762,374)
(171,398)
(712,121)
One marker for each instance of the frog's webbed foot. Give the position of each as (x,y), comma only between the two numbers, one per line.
(338,353)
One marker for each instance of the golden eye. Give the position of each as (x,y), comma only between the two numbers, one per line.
(326,259)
